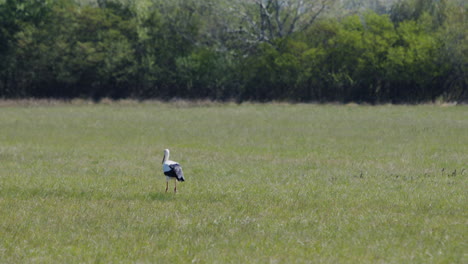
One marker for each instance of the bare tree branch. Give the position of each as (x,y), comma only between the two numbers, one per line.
(314,17)
(266,20)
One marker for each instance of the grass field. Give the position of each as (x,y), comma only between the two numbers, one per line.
(265,183)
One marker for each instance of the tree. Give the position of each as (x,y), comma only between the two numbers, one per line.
(412,66)
(16,16)
(453,53)
(162,39)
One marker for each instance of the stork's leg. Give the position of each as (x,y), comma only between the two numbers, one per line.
(167,185)
(175,185)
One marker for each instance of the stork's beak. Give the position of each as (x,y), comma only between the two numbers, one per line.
(163,159)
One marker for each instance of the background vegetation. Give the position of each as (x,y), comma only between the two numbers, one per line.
(321,50)
(266,183)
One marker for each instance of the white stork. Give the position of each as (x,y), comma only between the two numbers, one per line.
(172,170)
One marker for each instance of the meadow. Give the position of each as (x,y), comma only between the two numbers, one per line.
(265,183)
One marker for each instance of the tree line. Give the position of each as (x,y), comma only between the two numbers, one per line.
(402,51)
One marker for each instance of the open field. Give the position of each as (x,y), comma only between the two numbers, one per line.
(266,183)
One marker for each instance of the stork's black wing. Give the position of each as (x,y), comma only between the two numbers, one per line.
(177,170)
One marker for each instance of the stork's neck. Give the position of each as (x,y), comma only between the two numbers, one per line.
(166,156)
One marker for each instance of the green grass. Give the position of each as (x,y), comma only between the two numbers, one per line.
(266,183)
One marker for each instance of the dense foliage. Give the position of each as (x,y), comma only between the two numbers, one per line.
(412,51)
